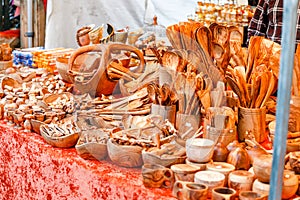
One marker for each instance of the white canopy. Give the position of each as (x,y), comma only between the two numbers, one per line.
(65,17)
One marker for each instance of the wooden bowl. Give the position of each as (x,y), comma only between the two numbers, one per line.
(124,155)
(92,149)
(35,125)
(62,142)
(289,184)
(262,167)
(292,146)
(222,167)
(260,187)
(165,156)
(294,161)
(199,149)
(6,64)
(66,102)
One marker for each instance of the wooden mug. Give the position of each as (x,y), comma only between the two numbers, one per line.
(251,195)
(184,190)
(223,193)
(157,176)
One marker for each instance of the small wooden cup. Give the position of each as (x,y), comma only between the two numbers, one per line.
(190,190)
(157,176)
(221,193)
(184,172)
(250,195)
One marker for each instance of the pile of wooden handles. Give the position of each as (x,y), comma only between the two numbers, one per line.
(256,92)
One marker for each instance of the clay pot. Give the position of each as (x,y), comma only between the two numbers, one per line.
(27,123)
(220,152)
(82,35)
(262,167)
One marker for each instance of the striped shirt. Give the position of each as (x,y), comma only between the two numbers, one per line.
(267,21)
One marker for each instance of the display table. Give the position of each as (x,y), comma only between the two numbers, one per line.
(32,169)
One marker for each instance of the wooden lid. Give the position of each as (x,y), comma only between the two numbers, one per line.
(185,168)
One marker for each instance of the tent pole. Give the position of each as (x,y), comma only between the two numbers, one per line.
(29,34)
(284,95)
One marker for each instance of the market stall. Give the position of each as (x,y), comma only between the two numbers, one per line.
(179,111)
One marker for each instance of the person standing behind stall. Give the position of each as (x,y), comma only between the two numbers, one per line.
(267,21)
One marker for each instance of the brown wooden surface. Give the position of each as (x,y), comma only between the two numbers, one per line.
(39,23)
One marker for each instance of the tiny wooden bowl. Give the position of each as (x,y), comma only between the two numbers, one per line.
(62,142)
(124,155)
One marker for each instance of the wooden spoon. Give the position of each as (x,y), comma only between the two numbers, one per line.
(152,93)
(165,93)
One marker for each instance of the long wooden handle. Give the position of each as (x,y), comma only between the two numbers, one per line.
(120,46)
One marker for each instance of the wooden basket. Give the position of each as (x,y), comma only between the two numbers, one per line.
(124,155)
(91,150)
(62,142)
(100,83)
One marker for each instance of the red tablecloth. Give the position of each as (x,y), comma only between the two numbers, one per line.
(32,169)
